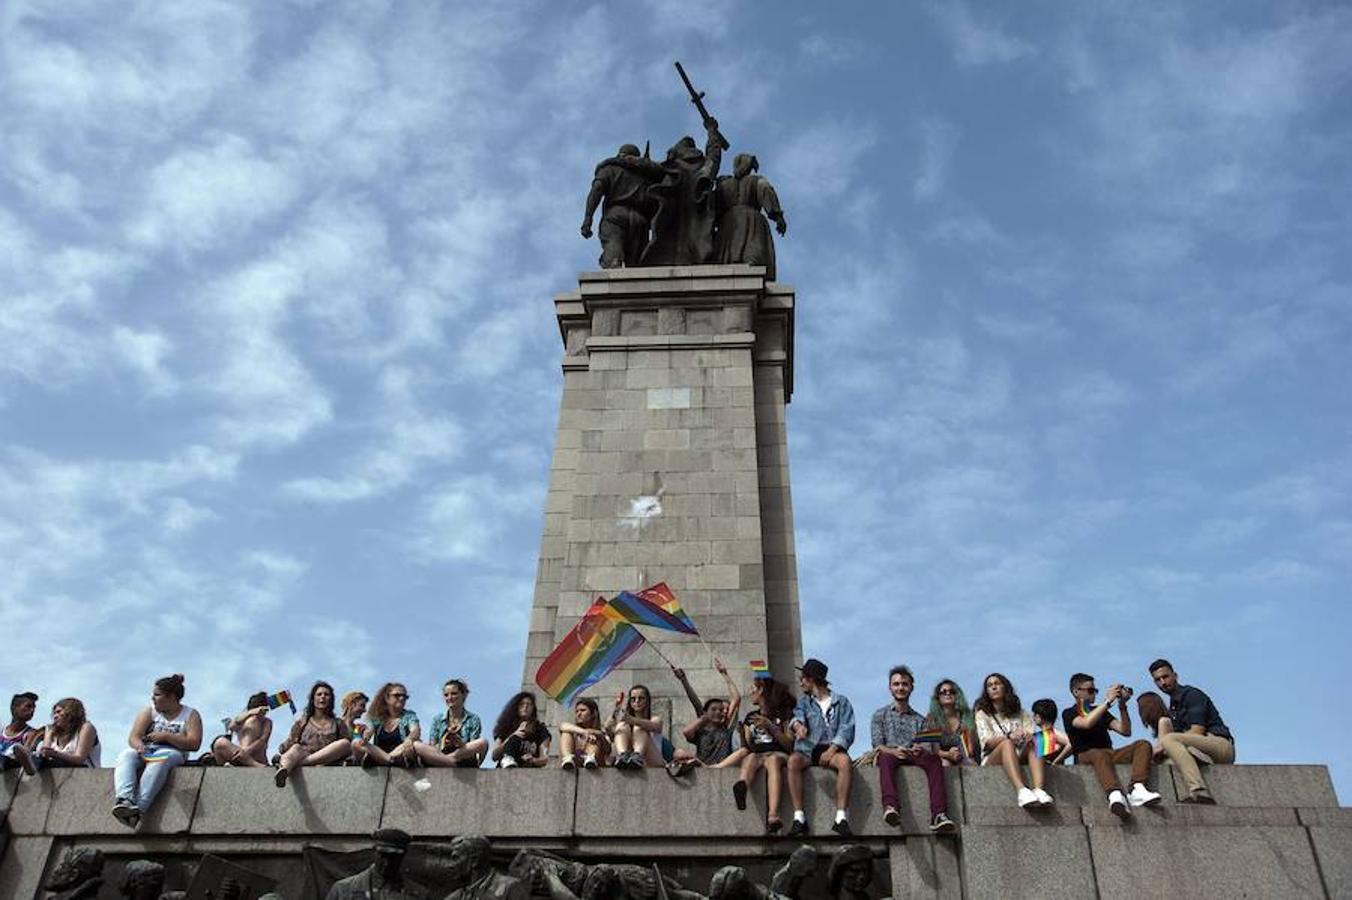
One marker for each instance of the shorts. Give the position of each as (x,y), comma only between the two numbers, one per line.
(668,749)
(817,752)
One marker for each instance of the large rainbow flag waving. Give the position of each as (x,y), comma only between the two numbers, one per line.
(600,641)
(638,609)
(660,596)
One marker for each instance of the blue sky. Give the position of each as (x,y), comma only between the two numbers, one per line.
(279,369)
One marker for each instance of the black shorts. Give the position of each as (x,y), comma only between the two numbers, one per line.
(817,752)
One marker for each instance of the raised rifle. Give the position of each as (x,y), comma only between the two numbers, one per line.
(697,98)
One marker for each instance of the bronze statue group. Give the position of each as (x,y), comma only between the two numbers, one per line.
(779,735)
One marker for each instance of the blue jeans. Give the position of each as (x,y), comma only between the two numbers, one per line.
(132,770)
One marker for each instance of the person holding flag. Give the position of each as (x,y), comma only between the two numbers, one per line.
(898,735)
(248,733)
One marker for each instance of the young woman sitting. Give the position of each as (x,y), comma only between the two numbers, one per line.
(162,736)
(71,741)
(394,729)
(457,740)
(249,733)
(352,711)
(636,732)
(583,740)
(519,737)
(317,738)
(950,715)
(1006,732)
(767,743)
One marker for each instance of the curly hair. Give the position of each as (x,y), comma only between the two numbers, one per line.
(509,718)
(1012,704)
(379,710)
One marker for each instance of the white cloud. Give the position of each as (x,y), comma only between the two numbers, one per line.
(976,43)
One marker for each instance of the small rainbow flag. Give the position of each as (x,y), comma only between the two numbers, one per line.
(1045,743)
(600,641)
(928,736)
(358,730)
(759,669)
(660,595)
(155,753)
(280,699)
(638,610)
(968,745)
(1086,707)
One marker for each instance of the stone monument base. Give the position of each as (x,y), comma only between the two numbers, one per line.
(1277,831)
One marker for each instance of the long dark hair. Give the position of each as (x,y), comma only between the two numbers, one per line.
(379,711)
(629,700)
(75,719)
(1012,705)
(509,718)
(310,701)
(776,699)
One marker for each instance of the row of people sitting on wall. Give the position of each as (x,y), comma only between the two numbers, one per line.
(779,735)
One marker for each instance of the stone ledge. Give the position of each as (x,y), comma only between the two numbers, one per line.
(316,801)
(1265,785)
(519,803)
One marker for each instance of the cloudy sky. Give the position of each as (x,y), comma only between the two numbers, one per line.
(279,370)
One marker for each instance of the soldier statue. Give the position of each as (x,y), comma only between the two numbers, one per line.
(384,879)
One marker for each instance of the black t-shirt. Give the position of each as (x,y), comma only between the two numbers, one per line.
(530,744)
(713,744)
(1081,739)
(1191,706)
(761,741)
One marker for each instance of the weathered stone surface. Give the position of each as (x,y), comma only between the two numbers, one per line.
(9,782)
(1184,815)
(510,804)
(925,869)
(317,801)
(1334,817)
(1000,863)
(82,802)
(29,803)
(612,803)
(22,866)
(1266,785)
(1333,850)
(1238,861)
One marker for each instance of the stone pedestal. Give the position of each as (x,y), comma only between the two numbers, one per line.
(671,464)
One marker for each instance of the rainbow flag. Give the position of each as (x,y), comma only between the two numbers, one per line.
(660,595)
(597,644)
(638,610)
(1045,743)
(968,745)
(1086,707)
(928,736)
(279,699)
(155,753)
(759,669)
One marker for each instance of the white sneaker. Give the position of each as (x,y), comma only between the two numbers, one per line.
(1027,798)
(508,762)
(589,761)
(1143,796)
(568,763)
(1043,798)
(1117,805)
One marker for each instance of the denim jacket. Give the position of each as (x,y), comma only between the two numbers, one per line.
(836,727)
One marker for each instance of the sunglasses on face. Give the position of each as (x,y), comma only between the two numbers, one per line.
(398,696)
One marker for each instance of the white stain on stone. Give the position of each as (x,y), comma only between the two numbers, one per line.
(641,509)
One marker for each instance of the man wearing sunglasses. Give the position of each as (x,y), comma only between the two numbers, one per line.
(1088,725)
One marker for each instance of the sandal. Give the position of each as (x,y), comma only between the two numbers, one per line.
(773,825)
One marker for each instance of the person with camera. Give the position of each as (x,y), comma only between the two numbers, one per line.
(1088,725)
(1197,725)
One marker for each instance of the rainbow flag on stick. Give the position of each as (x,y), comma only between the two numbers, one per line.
(638,610)
(280,699)
(598,643)
(661,596)
(928,736)
(1045,743)
(759,669)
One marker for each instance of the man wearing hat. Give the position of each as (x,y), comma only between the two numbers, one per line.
(384,880)
(822,729)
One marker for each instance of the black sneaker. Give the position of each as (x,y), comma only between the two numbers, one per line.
(280,778)
(739,794)
(942,824)
(126,812)
(842,828)
(798,828)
